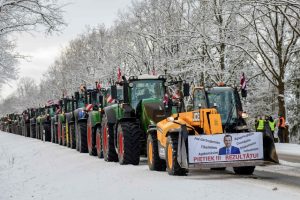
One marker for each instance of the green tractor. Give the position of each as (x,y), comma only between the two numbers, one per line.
(87,102)
(125,124)
(32,117)
(94,118)
(39,127)
(55,110)
(25,123)
(43,128)
(67,122)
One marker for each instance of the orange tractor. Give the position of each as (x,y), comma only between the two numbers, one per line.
(213,134)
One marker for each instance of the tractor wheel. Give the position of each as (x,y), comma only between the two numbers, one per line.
(77,136)
(72,136)
(108,146)
(47,129)
(59,133)
(128,143)
(173,167)
(55,134)
(248,170)
(82,138)
(99,143)
(154,161)
(27,130)
(63,135)
(42,130)
(91,148)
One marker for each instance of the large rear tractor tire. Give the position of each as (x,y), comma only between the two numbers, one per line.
(82,137)
(99,142)
(154,161)
(128,143)
(91,141)
(247,170)
(72,136)
(109,151)
(173,167)
(47,129)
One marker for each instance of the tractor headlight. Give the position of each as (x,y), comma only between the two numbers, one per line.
(245,115)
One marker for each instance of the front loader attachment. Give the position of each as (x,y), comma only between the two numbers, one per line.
(269,148)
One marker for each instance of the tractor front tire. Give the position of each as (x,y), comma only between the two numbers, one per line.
(154,161)
(99,142)
(173,167)
(108,146)
(72,136)
(47,129)
(82,138)
(91,148)
(128,140)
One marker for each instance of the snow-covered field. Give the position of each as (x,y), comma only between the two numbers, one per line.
(31,169)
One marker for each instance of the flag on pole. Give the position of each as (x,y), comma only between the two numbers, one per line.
(119,74)
(243,84)
(153,71)
(99,86)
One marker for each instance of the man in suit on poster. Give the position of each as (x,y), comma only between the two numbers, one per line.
(228,149)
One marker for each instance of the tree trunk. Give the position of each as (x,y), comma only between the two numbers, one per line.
(281,108)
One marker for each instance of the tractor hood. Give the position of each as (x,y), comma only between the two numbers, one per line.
(153,109)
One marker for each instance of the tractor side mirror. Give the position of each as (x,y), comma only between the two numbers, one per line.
(186,89)
(65,105)
(114,94)
(101,101)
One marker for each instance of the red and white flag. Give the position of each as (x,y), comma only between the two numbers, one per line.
(153,71)
(89,107)
(109,99)
(99,86)
(119,74)
(243,82)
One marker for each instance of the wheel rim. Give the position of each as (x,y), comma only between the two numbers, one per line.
(105,139)
(150,154)
(121,145)
(170,156)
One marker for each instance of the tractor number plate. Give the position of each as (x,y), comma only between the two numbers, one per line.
(196,116)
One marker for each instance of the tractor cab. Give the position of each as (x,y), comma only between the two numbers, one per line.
(227,102)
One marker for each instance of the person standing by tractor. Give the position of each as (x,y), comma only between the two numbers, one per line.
(272,124)
(281,127)
(260,125)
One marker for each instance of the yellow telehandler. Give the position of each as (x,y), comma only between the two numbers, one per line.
(214,134)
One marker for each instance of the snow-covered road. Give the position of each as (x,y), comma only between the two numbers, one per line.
(31,169)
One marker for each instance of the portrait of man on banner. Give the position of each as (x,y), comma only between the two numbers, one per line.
(228,148)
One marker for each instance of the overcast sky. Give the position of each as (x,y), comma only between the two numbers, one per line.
(44,49)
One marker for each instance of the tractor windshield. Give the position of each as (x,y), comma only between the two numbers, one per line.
(199,98)
(81,101)
(144,89)
(224,99)
(69,106)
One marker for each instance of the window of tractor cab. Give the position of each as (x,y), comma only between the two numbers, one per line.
(94,98)
(69,106)
(225,101)
(199,99)
(81,101)
(51,111)
(143,89)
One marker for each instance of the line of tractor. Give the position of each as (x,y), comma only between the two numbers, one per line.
(137,116)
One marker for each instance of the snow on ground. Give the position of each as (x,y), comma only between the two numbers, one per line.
(31,169)
(286,148)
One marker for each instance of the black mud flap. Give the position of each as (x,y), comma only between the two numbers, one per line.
(269,147)
(181,150)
